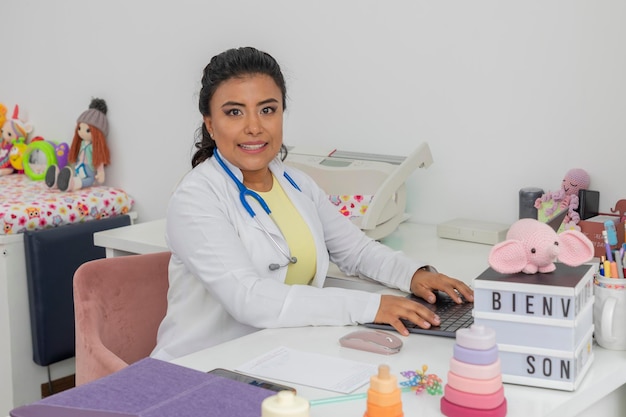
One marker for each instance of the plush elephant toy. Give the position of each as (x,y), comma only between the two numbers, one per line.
(532,246)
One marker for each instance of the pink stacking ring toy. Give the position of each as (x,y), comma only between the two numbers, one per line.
(480,401)
(452,410)
(469,370)
(474,386)
(476,337)
(476,357)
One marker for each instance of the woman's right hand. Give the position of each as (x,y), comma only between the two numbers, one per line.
(393,308)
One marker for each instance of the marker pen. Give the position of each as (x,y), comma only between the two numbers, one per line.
(609,226)
(609,254)
(606,267)
(620,266)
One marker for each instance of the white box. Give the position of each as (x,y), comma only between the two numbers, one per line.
(473,231)
(543,323)
(542,333)
(561,294)
(547,368)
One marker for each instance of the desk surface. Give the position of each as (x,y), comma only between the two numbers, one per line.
(607,373)
(147,237)
(459,259)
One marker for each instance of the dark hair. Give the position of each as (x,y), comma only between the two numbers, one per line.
(231,64)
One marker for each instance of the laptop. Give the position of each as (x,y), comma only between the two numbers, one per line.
(453,316)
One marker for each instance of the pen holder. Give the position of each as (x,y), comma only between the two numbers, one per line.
(609,312)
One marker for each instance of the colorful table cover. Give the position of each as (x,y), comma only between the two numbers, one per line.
(30,205)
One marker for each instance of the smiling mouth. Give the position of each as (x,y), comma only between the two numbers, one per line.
(252,147)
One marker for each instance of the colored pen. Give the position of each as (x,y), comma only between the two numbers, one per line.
(606,267)
(609,226)
(342,398)
(620,265)
(609,254)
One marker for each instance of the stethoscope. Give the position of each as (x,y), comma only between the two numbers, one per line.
(246,192)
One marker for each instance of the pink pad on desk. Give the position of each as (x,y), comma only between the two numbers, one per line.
(474,386)
(452,410)
(480,401)
(469,370)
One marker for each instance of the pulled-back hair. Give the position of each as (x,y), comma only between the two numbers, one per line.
(232,63)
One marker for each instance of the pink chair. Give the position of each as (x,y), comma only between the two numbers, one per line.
(118,304)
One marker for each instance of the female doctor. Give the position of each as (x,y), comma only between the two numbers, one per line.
(251,239)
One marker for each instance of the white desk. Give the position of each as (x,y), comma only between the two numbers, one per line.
(607,373)
(148,237)
(601,392)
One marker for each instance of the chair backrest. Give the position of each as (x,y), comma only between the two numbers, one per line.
(119,303)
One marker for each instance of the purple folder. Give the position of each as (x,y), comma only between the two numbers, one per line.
(153,388)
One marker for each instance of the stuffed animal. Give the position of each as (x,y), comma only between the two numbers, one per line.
(16,154)
(89,153)
(12,129)
(532,246)
(567,197)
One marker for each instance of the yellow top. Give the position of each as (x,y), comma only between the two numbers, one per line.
(296,233)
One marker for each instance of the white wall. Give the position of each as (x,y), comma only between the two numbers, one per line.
(508,94)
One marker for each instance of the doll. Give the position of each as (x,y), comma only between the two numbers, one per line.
(89,153)
(12,130)
(4,147)
(567,197)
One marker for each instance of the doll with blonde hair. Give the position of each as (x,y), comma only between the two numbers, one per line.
(89,153)
(12,129)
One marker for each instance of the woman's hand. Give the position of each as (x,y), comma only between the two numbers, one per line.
(393,308)
(425,282)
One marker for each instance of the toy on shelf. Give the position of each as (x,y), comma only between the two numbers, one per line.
(89,153)
(16,154)
(532,246)
(474,385)
(13,130)
(566,197)
(384,397)
(40,154)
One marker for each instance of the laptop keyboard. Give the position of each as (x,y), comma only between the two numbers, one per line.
(453,317)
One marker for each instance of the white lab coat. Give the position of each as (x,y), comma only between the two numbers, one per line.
(221,286)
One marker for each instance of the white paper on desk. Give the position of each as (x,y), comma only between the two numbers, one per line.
(311,369)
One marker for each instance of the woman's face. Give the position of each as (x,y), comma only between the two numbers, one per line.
(246,121)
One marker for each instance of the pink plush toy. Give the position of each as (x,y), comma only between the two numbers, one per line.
(567,197)
(533,246)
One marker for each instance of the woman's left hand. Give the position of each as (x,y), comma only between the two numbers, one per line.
(424,283)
